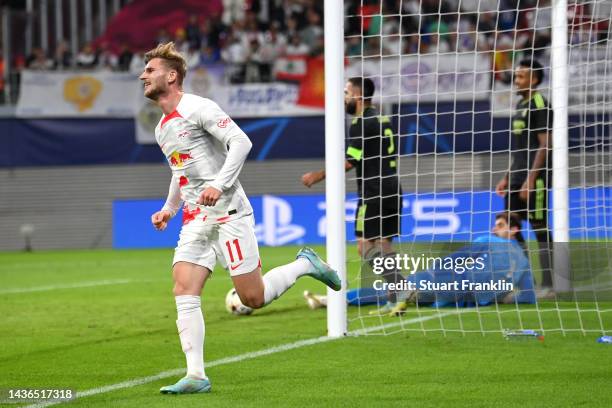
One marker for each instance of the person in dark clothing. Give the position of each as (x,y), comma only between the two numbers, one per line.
(373,148)
(525,187)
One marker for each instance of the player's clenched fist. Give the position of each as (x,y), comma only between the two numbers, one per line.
(160,219)
(311,178)
(209,197)
(501,187)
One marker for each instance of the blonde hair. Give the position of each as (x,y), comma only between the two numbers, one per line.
(171,57)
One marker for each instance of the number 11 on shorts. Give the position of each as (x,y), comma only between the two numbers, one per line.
(228,244)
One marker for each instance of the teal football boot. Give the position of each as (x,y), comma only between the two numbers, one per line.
(187,385)
(322,271)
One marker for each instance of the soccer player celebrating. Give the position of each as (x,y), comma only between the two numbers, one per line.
(206,150)
(372,151)
(525,186)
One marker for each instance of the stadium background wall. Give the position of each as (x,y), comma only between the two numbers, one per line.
(458,127)
(71,206)
(97,161)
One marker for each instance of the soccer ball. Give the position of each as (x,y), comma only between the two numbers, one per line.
(234,305)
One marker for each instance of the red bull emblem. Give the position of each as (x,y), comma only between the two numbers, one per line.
(178,159)
(183,181)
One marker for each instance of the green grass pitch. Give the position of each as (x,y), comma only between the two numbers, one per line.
(89,319)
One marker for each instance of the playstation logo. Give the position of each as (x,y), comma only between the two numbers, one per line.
(276,227)
(350,207)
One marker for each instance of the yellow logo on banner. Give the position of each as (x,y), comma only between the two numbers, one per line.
(82,91)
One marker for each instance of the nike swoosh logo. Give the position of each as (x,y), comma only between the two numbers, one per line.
(235,266)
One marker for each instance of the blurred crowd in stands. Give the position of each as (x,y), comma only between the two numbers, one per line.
(252,35)
(245,37)
(504,29)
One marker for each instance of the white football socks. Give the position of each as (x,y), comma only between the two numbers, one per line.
(281,278)
(190,322)
(190,325)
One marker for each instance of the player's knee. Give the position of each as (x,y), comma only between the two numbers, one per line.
(252,300)
(178,289)
(181,289)
(255,302)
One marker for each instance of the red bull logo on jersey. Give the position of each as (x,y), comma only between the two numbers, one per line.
(178,159)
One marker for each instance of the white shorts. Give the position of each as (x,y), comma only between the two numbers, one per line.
(233,243)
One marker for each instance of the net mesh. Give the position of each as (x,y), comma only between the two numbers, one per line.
(444,74)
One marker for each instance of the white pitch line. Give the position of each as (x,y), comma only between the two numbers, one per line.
(240,357)
(65,286)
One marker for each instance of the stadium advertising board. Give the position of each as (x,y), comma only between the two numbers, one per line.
(300,219)
(589,88)
(77,94)
(119,95)
(426,78)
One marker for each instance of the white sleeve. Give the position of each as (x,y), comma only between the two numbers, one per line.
(221,127)
(239,147)
(173,201)
(218,123)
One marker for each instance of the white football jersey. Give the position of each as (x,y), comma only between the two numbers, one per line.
(195,139)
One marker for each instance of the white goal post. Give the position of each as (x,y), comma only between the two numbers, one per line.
(559,93)
(334,163)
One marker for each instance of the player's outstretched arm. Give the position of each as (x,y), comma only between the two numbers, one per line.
(313,177)
(502,186)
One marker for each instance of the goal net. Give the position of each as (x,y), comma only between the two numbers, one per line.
(447,78)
